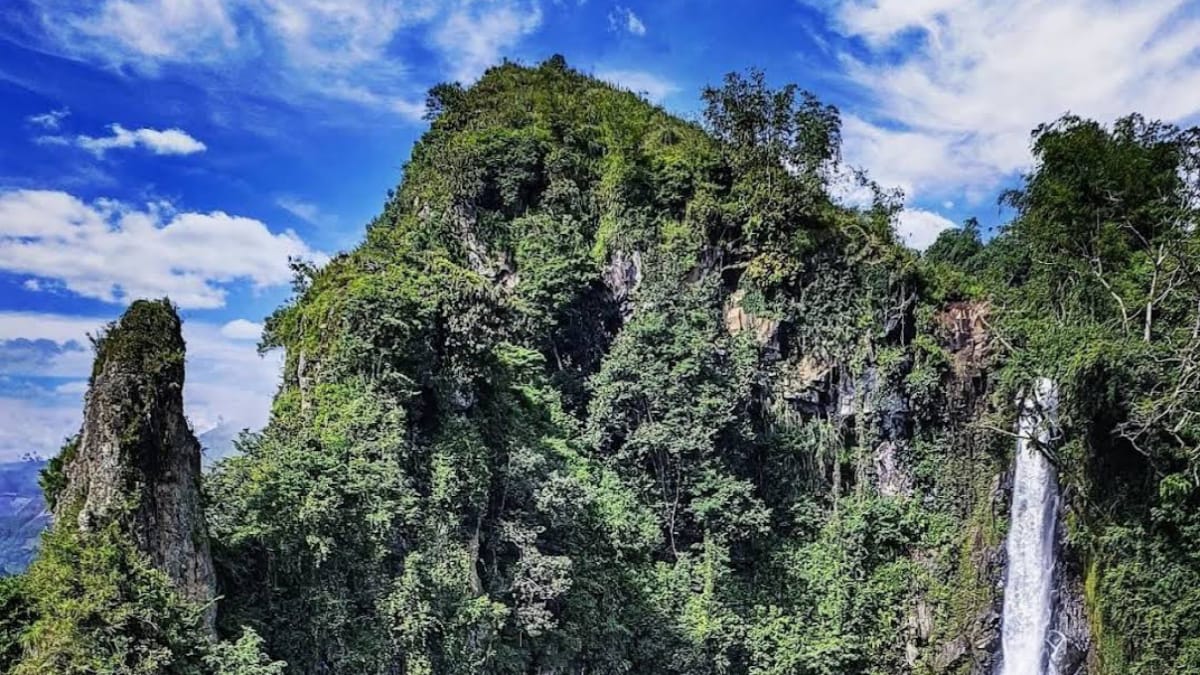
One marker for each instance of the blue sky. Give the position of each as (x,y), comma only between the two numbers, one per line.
(188,147)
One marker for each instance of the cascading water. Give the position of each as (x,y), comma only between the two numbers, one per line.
(1029,584)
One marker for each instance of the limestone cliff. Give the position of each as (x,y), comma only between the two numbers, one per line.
(137,462)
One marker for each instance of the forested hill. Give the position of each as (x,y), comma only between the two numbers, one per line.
(605,391)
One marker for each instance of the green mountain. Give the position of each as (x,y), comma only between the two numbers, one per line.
(607,391)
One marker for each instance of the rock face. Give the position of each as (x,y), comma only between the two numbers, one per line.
(137,462)
(622,276)
(1071,640)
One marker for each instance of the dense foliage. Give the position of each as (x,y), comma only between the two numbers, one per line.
(1098,279)
(604,391)
(572,407)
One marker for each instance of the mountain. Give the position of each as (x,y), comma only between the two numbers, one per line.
(23,514)
(124,580)
(218,443)
(604,390)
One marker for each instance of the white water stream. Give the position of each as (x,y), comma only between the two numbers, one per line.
(1029,584)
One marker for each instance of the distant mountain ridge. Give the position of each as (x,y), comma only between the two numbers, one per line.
(218,443)
(23,514)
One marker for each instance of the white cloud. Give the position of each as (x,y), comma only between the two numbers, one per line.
(955,87)
(43,358)
(148,31)
(72,388)
(113,252)
(35,427)
(160,142)
(919,228)
(49,120)
(298,50)
(306,211)
(655,88)
(241,329)
(227,381)
(58,328)
(411,109)
(623,19)
(332,35)
(473,38)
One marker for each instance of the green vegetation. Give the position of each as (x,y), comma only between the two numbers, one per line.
(146,338)
(52,478)
(521,431)
(93,604)
(93,601)
(15,618)
(1100,292)
(604,391)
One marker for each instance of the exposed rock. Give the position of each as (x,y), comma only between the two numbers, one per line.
(622,275)
(712,261)
(496,266)
(1070,634)
(951,654)
(865,395)
(764,330)
(911,653)
(987,640)
(965,334)
(806,385)
(923,620)
(890,478)
(807,373)
(303,380)
(137,461)
(918,629)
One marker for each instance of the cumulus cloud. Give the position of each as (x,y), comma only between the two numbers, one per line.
(412,109)
(112,251)
(955,87)
(341,51)
(623,19)
(72,388)
(473,38)
(160,142)
(920,228)
(36,428)
(654,87)
(241,329)
(227,381)
(58,328)
(157,141)
(46,358)
(50,120)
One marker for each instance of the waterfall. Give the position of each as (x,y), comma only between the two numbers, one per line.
(1028,586)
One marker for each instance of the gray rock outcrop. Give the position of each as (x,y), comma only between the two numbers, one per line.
(137,462)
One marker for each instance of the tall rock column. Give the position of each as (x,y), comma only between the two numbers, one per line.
(137,461)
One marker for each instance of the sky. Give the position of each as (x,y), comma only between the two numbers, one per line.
(189,148)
